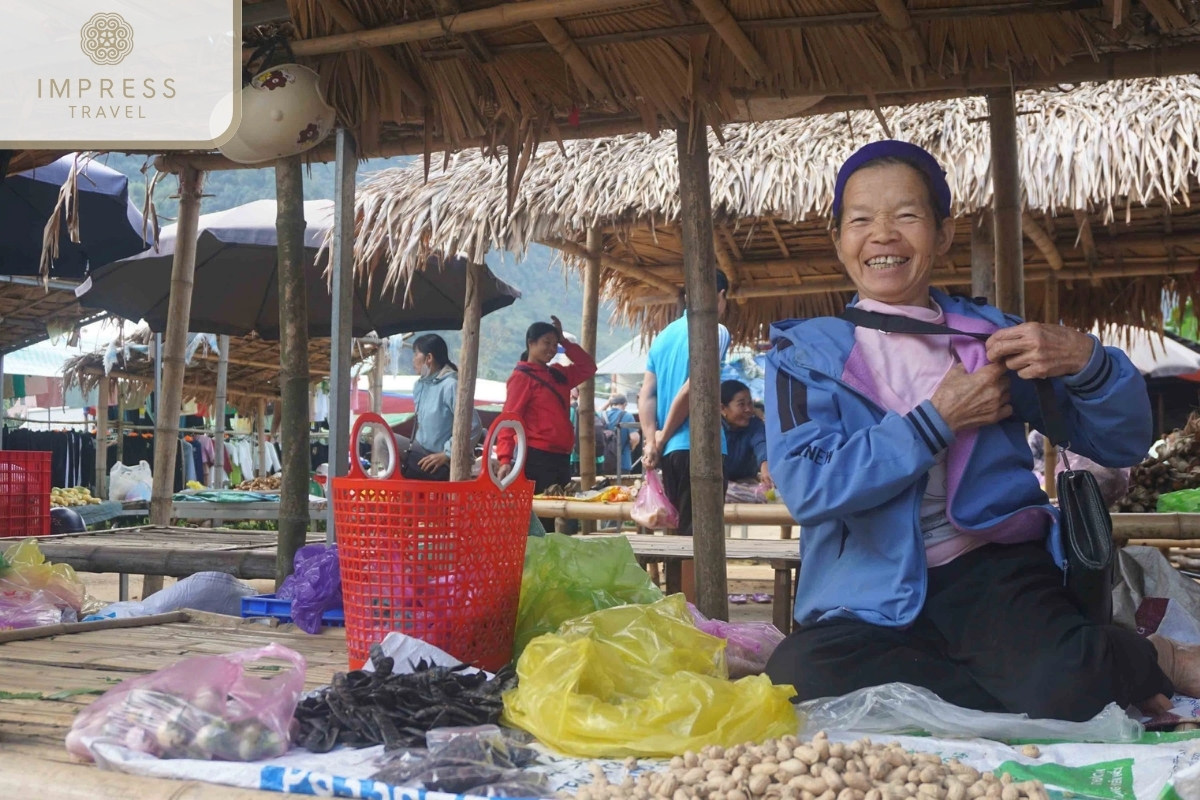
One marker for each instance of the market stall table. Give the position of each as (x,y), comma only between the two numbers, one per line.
(257,511)
(171,552)
(75,668)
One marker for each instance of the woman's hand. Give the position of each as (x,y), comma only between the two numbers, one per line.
(558,327)
(764,476)
(433,462)
(503,471)
(1035,350)
(972,400)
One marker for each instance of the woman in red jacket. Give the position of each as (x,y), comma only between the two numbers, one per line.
(540,394)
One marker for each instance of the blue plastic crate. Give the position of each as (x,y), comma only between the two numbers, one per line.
(268,605)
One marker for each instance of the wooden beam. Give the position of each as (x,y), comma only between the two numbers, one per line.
(560,40)
(292,427)
(179,310)
(704,369)
(718,16)
(1006,203)
(783,248)
(588,326)
(472,42)
(504,15)
(983,257)
(388,66)
(615,264)
(462,446)
(896,17)
(101,433)
(1086,240)
(725,263)
(217,479)
(1045,244)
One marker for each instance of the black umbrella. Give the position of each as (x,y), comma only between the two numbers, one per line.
(109,225)
(237,289)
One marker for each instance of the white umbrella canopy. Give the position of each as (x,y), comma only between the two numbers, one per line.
(1154,356)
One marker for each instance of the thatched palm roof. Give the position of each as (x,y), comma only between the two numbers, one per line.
(487,72)
(253,372)
(30,314)
(1118,153)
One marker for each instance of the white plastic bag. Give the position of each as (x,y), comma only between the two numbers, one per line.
(122,480)
(214,592)
(898,708)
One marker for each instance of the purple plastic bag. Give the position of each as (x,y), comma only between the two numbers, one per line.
(315,587)
(748,644)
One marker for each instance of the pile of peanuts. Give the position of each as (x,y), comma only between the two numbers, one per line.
(788,769)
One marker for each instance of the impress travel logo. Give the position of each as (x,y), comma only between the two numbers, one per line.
(112,73)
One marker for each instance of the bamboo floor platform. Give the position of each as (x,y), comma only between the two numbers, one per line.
(34,762)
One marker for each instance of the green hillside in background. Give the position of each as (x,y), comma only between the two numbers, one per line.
(545,288)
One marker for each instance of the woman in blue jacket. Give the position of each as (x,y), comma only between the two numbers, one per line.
(930,554)
(427,455)
(746,441)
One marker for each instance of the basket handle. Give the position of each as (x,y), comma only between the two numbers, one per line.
(518,463)
(373,419)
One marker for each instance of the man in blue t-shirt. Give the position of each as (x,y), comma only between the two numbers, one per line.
(663,406)
(619,437)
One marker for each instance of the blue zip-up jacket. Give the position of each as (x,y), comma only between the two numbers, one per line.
(434,397)
(853,473)
(747,449)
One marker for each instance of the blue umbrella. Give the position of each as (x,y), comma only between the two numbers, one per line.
(110,227)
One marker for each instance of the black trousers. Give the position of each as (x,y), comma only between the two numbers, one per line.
(546,469)
(998,632)
(677,483)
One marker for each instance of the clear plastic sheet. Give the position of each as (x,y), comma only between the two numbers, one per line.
(204,707)
(898,708)
(640,680)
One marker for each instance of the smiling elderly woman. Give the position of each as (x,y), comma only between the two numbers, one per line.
(931,555)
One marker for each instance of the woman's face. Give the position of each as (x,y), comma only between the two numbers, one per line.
(544,349)
(739,411)
(889,241)
(422,363)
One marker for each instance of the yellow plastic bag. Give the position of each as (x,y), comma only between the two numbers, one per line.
(641,681)
(24,569)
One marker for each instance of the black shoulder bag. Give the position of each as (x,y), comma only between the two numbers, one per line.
(1085,521)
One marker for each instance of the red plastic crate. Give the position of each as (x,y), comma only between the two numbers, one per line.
(24,493)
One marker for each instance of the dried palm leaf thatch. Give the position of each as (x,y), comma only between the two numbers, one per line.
(1122,153)
(253,371)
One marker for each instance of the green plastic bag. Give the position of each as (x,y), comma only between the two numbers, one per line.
(1186,501)
(567,578)
(641,680)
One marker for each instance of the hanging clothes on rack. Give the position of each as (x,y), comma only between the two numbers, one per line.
(72,454)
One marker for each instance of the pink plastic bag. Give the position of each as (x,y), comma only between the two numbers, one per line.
(29,610)
(205,707)
(652,509)
(749,644)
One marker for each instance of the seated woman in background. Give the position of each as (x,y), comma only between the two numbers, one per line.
(427,455)
(746,469)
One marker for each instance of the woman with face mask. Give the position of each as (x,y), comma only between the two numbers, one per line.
(427,455)
(540,394)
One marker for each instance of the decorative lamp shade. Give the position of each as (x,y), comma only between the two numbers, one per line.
(283,114)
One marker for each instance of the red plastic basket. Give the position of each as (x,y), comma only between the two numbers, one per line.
(24,493)
(438,561)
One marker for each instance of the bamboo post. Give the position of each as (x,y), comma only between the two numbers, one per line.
(462,454)
(262,437)
(1051,454)
(120,426)
(101,435)
(699,271)
(1006,203)
(292,427)
(341,264)
(171,358)
(983,257)
(587,392)
(218,472)
(378,446)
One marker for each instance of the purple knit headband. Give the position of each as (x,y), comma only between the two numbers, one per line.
(909,153)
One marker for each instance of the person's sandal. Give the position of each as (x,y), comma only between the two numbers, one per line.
(738,599)
(760,598)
